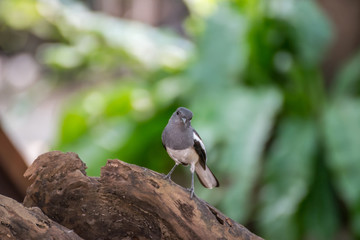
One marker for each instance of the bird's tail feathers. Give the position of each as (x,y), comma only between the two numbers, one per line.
(206,177)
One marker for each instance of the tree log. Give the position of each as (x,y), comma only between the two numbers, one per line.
(126,202)
(19,222)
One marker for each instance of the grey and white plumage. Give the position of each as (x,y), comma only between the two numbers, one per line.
(184,146)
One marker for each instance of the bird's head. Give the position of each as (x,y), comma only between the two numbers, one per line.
(182,116)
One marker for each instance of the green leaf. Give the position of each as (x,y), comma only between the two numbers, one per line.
(73,125)
(348,78)
(319,213)
(342,135)
(288,171)
(312,31)
(240,121)
(222,51)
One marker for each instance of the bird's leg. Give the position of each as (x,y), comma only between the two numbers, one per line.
(168,176)
(192,185)
(192,170)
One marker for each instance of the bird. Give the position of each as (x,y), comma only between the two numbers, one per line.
(185,146)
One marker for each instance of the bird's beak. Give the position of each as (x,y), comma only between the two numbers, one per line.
(184,120)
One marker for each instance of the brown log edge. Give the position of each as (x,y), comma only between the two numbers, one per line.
(126,202)
(19,222)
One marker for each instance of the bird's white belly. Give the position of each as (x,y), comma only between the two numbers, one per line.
(185,156)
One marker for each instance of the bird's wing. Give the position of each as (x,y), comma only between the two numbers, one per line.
(163,138)
(200,149)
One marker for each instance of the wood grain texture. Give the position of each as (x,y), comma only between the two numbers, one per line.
(126,202)
(19,222)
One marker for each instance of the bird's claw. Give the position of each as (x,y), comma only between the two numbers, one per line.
(191,192)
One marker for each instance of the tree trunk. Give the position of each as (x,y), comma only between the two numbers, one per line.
(126,202)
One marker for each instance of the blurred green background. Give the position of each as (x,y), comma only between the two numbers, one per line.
(281,137)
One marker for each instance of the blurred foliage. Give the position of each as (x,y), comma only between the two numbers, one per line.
(283,147)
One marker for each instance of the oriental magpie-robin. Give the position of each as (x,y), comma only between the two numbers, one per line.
(184,146)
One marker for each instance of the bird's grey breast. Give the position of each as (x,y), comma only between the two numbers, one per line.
(177,138)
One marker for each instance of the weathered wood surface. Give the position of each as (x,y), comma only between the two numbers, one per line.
(19,222)
(126,202)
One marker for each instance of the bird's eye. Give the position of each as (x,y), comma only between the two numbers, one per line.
(177,113)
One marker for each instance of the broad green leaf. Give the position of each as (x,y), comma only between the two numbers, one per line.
(73,125)
(318,213)
(348,79)
(312,31)
(287,174)
(240,121)
(222,52)
(342,137)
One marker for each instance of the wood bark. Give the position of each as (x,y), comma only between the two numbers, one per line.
(12,168)
(126,202)
(19,222)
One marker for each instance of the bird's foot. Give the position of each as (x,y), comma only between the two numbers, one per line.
(168,176)
(191,190)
